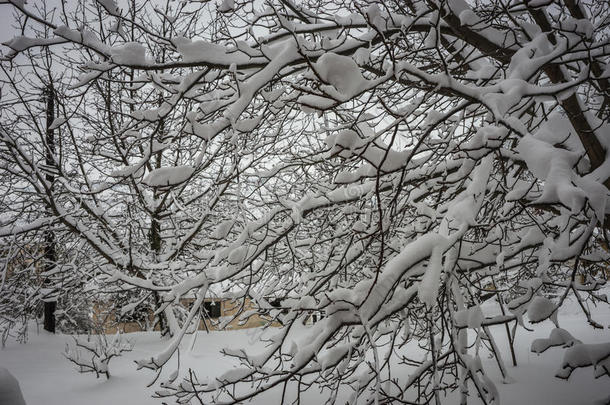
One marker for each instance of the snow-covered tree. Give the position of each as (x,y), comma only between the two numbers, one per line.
(32,279)
(392,165)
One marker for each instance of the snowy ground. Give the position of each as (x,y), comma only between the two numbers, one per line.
(46,377)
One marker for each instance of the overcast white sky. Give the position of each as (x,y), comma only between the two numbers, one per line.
(6,20)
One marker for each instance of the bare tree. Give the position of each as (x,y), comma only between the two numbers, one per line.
(94,353)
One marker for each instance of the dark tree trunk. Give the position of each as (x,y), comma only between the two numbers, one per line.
(49,316)
(49,243)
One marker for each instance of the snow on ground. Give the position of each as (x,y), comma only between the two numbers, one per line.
(46,377)
(534,377)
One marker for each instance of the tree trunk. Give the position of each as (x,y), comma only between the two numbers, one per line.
(49,243)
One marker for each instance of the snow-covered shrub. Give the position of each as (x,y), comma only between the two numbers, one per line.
(92,354)
(19,292)
(6,325)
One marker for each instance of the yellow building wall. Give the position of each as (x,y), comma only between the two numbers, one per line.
(229,308)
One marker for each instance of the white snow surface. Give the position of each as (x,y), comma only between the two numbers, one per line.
(110,6)
(46,377)
(342,73)
(130,53)
(168,176)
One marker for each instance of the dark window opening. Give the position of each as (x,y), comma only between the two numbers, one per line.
(277,303)
(212,309)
